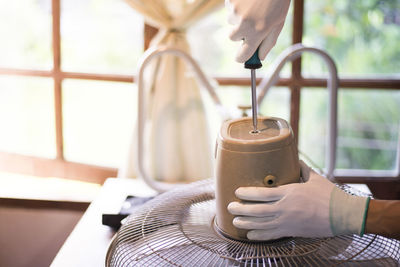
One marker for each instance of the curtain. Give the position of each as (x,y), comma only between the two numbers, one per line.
(177,143)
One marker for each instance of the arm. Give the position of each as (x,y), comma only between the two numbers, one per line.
(383,218)
(316,208)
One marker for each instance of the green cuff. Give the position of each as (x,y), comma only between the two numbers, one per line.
(365,216)
(347,213)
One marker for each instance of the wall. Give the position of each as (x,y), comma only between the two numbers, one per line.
(32,237)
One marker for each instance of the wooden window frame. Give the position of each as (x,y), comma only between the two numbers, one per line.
(61,168)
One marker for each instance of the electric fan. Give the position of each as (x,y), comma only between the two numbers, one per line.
(188,226)
(177,228)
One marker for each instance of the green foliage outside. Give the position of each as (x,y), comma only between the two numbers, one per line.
(368,127)
(363,37)
(25,34)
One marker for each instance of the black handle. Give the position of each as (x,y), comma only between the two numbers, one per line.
(253,62)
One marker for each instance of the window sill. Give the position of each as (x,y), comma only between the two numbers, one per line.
(17,186)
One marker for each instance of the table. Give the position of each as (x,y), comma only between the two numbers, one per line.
(88,243)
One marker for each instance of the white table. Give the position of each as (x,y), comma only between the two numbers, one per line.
(88,243)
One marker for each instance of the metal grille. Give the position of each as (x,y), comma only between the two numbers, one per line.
(177,229)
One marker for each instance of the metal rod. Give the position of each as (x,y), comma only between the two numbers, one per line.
(254,98)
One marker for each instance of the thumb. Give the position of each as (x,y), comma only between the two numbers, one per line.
(306,171)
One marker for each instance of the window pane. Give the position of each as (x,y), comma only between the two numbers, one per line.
(27,116)
(212,48)
(368,125)
(362,36)
(98,121)
(25,30)
(276,103)
(100,36)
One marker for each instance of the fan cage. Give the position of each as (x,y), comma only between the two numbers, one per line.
(177,229)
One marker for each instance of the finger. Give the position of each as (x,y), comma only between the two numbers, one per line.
(245,52)
(250,41)
(265,234)
(238,33)
(252,209)
(270,41)
(266,223)
(261,193)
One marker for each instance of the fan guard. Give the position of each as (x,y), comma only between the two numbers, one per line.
(177,229)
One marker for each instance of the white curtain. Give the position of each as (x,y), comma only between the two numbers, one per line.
(177,143)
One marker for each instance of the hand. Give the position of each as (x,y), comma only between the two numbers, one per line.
(258,23)
(315,208)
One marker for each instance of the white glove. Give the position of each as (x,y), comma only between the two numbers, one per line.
(258,23)
(316,208)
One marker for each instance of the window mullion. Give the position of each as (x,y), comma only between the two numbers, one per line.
(297,34)
(57,77)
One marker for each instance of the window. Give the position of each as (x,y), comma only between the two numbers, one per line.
(64,80)
(360,36)
(27,116)
(66,77)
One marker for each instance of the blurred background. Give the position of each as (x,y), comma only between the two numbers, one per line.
(68,96)
(106,37)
